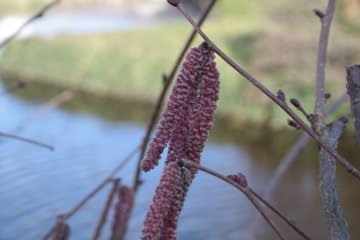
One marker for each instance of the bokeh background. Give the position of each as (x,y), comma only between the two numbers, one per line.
(111,55)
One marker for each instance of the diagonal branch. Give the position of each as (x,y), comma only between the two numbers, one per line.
(40,144)
(250,194)
(36,16)
(348,166)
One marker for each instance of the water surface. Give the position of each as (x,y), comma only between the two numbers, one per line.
(37,184)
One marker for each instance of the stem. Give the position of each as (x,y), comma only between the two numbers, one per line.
(321,64)
(77,207)
(27,140)
(348,166)
(249,193)
(37,15)
(105,212)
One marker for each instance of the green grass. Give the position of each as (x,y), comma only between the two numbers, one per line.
(281,52)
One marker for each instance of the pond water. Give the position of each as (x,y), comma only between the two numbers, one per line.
(37,184)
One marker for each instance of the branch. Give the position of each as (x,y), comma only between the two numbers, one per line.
(336,223)
(105,212)
(27,140)
(294,152)
(321,64)
(36,16)
(167,80)
(289,159)
(353,89)
(250,194)
(348,166)
(77,207)
(52,103)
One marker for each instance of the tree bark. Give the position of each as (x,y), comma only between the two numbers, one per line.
(353,89)
(336,223)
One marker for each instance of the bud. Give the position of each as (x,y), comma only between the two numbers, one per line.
(281,95)
(327,96)
(295,102)
(344,120)
(174,2)
(292,123)
(240,179)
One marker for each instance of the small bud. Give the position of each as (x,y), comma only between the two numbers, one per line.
(240,179)
(295,102)
(292,123)
(344,120)
(281,95)
(319,13)
(174,2)
(327,96)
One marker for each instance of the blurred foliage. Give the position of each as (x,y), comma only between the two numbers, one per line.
(275,41)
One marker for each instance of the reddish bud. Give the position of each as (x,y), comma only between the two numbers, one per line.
(240,179)
(344,120)
(174,2)
(292,123)
(327,96)
(281,95)
(295,102)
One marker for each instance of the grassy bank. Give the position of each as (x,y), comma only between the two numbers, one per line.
(273,41)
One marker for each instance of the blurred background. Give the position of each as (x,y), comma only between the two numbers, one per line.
(100,63)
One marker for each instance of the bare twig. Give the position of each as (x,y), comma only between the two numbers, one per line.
(321,64)
(290,222)
(167,80)
(105,212)
(36,16)
(52,103)
(249,193)
(27,140)
(108,179)
(336,223)
(348,166)
(353,89)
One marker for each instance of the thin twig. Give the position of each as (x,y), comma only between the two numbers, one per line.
(36,16)
(321,64)
(290,222)
(78,206)
(27,140)
(348,166)
(52,103)
(105,212)
(249,193)
(167,80)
